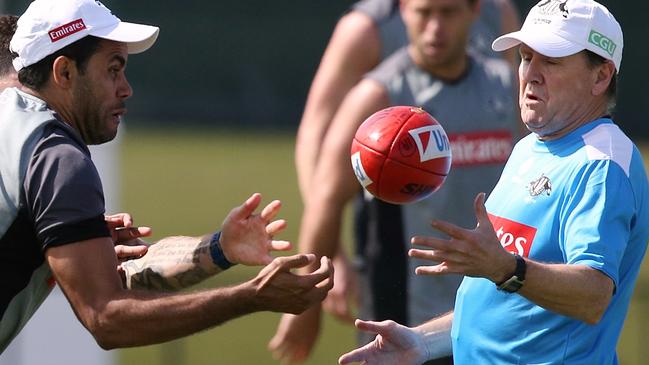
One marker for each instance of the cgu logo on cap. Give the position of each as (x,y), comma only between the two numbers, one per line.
(432,142)
(602,41)
(66,30)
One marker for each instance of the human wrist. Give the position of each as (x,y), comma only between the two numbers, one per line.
(516,279)
(504,271)
(216,251)
(432,345)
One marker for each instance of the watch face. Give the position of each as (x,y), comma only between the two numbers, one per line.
(512,285)
(516,281)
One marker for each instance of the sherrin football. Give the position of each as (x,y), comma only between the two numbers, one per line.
(401,154)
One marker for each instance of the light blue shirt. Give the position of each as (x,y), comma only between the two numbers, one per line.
(584,200)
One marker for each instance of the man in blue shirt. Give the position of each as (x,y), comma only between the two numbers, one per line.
(563,233)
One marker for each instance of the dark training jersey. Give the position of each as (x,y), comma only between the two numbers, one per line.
(50,195)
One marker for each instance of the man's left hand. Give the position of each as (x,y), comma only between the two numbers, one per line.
(472,252)
(248,238)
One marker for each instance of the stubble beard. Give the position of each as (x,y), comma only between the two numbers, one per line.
(94,129)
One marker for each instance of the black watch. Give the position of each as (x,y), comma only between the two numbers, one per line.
(516,281)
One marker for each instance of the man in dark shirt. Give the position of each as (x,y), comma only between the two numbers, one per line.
(71,56)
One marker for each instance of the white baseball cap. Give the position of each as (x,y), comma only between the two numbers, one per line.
(559,28)
(50,25)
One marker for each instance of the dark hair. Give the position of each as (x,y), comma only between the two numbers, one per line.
(37,75)
(595,60)
(7,30)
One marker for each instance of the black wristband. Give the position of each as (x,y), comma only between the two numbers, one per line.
(517,279)
(218,257)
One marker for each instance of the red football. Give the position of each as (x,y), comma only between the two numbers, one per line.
(401,154)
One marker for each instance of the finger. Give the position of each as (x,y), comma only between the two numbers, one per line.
(452,259)
(431,255)
(287,263)
(370,326)
(450,229)
(274,344)
(248,207)
(270,211)
(326,285)
(128,233)
(276,227)
(432,242)
(296,356)
(481,211)
(296,261)
(282,349)
(280,245)
(357,355)
(323,275)
(119,220)
(442,268)
(129,252)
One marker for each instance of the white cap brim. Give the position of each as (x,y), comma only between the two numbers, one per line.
(543,42)
(138,37)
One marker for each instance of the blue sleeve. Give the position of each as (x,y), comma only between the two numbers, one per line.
(596,218)
(64,193)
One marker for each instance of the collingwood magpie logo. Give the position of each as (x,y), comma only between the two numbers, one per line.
(552,7)
(540,186)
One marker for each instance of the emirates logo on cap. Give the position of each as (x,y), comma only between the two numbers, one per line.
(66,30)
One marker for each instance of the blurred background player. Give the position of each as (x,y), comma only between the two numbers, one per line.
(472,97)
(370,32)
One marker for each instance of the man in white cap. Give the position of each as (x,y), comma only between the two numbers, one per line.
(551,265)
(71,56)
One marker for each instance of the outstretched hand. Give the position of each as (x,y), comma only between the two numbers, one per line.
(279,290)
(473,252)
(393,344)
(248,238)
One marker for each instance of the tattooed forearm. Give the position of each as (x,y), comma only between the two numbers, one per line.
(171,264)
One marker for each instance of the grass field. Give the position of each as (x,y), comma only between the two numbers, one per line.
(185,183)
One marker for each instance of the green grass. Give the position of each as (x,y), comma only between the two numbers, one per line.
(185,183)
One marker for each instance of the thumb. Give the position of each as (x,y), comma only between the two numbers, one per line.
(481,211)
(369,326)
(248,207)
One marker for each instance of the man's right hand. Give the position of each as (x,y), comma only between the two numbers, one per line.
(277,289)
(394,344)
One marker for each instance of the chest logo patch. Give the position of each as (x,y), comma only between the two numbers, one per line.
(514,237)
(540,186)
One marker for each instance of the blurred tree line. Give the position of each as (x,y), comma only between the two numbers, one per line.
(249,63)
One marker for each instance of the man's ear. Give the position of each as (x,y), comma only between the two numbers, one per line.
(64,71)
(603,77)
